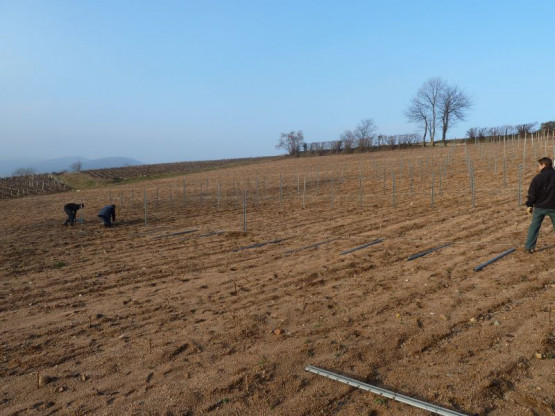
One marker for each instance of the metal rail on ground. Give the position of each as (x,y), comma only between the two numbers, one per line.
(379,240)
(423,253)
(481,266)
(385,393)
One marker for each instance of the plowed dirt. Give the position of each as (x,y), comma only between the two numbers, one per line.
(187,315)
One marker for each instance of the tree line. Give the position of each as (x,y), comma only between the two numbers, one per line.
(520,130)
(436,106)
(363,138)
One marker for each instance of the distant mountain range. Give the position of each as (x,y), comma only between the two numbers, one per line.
(7,167)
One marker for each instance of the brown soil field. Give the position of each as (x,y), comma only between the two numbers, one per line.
(186,314)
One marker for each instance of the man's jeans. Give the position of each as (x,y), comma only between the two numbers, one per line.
(537,217)
(108,223)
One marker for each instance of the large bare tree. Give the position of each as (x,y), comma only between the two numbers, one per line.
(437,103)
(424,107)
(453,105)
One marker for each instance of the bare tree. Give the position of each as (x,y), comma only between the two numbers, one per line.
(495,131)
(291,142)
(348,139)
(453,105)
(429,95)
(507,129)
(391,140)
(417,113)
(424,107)
(76,167)
(407,139)
(336,146)
(548,126)
(526,128)
(365,134)
(472,133)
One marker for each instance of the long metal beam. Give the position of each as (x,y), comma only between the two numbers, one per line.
(481,266)
(423,253)
(379,240)
(385,393)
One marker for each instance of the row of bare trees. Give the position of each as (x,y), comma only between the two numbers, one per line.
(352,146)
(479,133)
(437,105)
(362,139)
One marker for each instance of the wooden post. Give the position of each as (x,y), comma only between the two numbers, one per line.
(524,153)
(360,187)
(473,188)
(256,194)
(280,189)
(411,180)
(433,182)
(304,190)
(218,197)
(393,187)
(331,192)
(519,185)
(245,212)
(145,202)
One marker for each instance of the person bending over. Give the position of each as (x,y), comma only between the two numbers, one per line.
(107,213)
(71,211)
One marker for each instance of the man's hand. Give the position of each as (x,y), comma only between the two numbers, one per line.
(529,210)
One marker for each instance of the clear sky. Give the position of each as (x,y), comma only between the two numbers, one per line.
(164,80)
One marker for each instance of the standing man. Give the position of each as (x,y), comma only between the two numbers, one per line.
(71,211)
(541,201)
(109,211)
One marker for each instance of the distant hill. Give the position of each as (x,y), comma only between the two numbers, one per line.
(7,167)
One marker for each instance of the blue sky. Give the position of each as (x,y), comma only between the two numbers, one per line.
(189,80)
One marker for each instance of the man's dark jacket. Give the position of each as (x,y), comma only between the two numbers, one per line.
(541,193)
(108,211)
(72,207)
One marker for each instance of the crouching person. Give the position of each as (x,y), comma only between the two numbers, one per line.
(71,211)
(107,213)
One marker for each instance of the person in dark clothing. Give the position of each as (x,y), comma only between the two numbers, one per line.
(541,201)
(71,211)
(107,213)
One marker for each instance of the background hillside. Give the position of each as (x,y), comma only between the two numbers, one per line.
(8,166)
